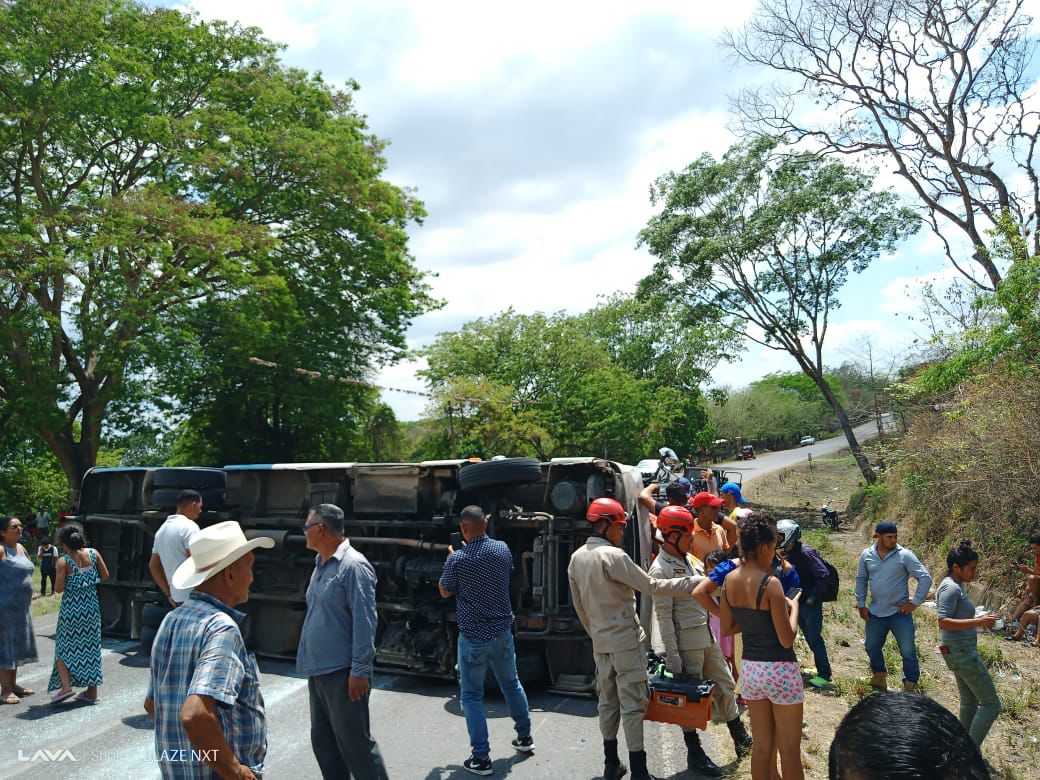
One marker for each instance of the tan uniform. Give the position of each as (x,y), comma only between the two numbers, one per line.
(683,624)
(603,582)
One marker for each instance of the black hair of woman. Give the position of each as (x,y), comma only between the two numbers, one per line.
(899,736)
(961,555)
(757,530)
(71,535)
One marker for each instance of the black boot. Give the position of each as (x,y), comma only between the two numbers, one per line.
(637,758)
(741,739)
(696,759)
(612,766)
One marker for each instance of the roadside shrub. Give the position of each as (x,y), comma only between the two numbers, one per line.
(869,502)
(968,468)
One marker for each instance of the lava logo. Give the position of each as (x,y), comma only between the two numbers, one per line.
(47,755)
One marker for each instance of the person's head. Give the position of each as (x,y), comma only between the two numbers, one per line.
(962,562)
(472,522)
(758,540)
(1034,544)
(45,539)
(886,535)
(10,530)
(714,558)
(678,492)
(676,526)
(189,504)
(788,535)
(221,562)
(324,527)
(72,537)
(903,736)
(706,507)
(608,520)
(731,496)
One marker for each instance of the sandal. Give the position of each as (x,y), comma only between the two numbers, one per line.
(20,691)
(10,698)
(59,697)
(87,699)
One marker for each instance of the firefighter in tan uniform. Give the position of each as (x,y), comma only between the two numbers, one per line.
(603,583)
(688,642)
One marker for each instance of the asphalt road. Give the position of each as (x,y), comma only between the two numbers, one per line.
(418,723)
(767,463)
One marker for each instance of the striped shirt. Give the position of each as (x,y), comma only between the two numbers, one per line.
(199,650)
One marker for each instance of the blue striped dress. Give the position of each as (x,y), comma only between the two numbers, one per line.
(78,638)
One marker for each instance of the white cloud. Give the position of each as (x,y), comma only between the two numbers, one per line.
(532,133)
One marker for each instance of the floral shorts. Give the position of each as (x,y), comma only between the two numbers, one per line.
(778,681)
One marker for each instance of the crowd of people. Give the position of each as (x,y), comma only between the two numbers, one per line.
(731,590)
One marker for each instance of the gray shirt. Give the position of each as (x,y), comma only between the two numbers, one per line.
(952,601)
(340,627)
(888,578)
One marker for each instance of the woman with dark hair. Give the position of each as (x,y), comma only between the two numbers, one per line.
(903,736)
(77,642)
(754,604)
(17,640)
(958,626)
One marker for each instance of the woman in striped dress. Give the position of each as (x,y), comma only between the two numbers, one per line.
(77,646)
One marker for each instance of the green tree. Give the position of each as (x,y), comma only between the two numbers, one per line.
(565,385)
(771,239)
(155,170)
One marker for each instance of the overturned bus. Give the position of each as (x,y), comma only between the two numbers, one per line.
(401,516)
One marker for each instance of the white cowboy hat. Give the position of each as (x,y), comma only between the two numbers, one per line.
(213,549)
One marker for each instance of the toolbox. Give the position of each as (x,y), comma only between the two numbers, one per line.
(680,699)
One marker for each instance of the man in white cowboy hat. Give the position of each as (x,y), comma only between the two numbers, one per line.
(204,689)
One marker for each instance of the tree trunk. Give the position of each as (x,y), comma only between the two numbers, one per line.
(76,457)
(846,426)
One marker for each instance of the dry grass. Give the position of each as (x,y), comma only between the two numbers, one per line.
(1012,745)
(971,472)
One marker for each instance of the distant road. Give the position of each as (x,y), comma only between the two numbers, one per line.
(775,461)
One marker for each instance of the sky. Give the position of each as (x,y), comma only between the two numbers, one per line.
(533,132)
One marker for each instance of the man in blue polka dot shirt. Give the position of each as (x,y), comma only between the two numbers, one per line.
(477,576)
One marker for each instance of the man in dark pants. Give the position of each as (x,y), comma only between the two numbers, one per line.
(814,579)
(337,648)
(478,577)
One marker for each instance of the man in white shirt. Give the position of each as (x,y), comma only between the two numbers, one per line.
(170,548)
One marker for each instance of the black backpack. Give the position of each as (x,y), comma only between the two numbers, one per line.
(833,581)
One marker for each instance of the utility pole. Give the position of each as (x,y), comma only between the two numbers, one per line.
(451,430)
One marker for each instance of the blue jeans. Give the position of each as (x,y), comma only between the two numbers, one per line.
(902,628)
(980,704)
(810,619)
(474,659)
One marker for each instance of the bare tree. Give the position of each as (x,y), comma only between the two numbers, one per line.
(770,239)
(943,88)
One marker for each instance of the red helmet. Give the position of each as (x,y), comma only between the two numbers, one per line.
(606,509)
(675,518)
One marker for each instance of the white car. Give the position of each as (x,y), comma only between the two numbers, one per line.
(806,440)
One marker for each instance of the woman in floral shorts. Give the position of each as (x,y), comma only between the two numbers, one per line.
(754,604)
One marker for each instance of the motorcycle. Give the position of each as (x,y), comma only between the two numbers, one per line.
(669,469)
(830,517)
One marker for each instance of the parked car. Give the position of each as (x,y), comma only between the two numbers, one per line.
(647,468)
(806,441)
(747,452)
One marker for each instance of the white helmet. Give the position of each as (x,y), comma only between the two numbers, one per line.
(788,533)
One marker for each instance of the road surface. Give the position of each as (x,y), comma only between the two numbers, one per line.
(774,461)
(418,723)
